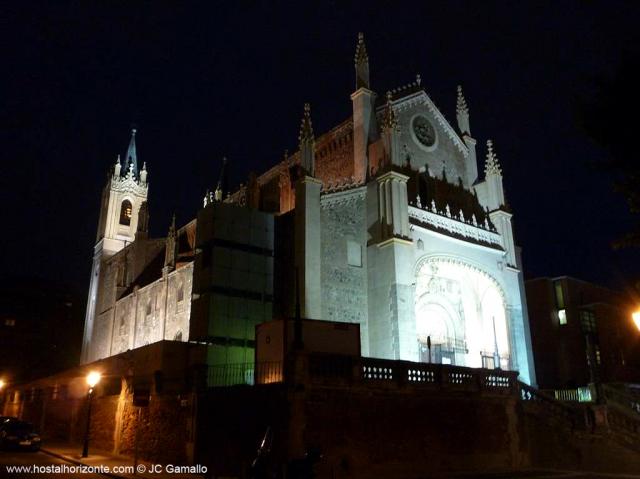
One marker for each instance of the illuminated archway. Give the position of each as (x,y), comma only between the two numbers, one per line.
(462,310)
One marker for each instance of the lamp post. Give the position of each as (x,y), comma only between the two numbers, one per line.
(93,378)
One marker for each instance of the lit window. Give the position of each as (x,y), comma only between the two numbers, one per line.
(10,322)
(562,316)
(598,358)
(125,213)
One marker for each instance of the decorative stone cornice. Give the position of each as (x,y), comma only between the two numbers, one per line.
(341,184)
(448,223)
(349,196)
(128,184)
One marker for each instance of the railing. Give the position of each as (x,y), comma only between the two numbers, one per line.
(582,394)
(338,370)
(371,372)
(245,373)
(572,416)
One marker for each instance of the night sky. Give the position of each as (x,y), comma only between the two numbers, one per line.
(203,81)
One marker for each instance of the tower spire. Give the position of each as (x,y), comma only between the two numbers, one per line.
(491,165)
(132,155)
(362,64)
(307,142)
(462,113)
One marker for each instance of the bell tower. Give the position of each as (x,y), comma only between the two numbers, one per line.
(122,196)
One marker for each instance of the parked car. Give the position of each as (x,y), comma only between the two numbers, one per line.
(16,434)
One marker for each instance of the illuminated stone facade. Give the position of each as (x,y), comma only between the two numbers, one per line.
(415,245)
(382,221)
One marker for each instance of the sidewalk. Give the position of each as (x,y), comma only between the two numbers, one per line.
(72,453)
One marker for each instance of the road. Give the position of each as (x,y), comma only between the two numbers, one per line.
(40,459)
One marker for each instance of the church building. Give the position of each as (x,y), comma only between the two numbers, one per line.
(384,221)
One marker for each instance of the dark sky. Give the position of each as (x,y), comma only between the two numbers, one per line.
(205,80)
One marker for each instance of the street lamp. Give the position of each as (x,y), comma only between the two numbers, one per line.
(636,318)
(93,378)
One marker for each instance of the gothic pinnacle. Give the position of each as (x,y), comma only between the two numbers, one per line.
(117,168)
(491,166)
(462,113)
(361,50)
(306,128)
(389,121)
(361,63)
(461,103)
(307,142)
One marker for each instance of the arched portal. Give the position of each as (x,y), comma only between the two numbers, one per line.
(461,310)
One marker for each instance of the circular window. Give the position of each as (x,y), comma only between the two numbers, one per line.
(424,131)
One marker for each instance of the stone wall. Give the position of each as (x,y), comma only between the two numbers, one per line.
(344,262)
(147,315)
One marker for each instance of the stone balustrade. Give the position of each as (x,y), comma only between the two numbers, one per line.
(458,226)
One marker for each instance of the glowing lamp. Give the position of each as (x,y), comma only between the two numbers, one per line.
(636,319)
(93,378)
(1,383)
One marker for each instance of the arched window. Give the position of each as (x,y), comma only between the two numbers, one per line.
(125,213)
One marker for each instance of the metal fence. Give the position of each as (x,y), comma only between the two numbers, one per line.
(245,373)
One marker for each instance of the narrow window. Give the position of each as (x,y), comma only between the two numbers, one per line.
(354,253)
(125,213)
(559,295)
(562,312)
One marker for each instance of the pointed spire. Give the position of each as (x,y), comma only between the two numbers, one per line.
(221,187)
(307,142)
(362,64)
(491,165)
(143,173)
(132,156)
(462,113)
